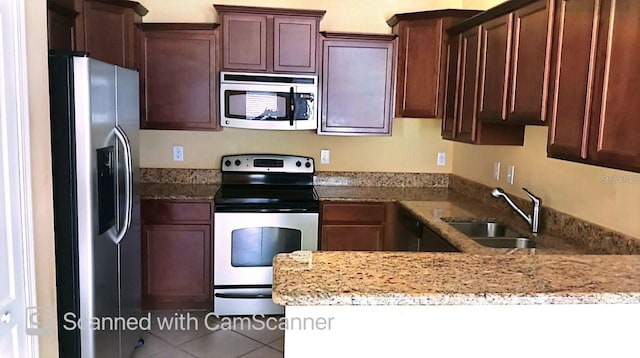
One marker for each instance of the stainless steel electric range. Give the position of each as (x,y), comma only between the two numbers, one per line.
(265,206)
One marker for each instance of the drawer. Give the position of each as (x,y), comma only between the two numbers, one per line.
(353,212)
(176,211)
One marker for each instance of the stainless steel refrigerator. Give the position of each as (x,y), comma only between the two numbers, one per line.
(94,141)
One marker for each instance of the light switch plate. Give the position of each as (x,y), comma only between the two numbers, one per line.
(496,170)
(511,172)
(442,158)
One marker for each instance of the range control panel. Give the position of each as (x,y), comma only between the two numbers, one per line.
(267,163)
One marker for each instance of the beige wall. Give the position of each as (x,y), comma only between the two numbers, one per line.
(36,16)
(412,148)
(480,4)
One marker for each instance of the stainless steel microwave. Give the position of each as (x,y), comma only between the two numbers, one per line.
(268,101)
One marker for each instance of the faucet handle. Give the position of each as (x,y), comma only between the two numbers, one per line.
(535,199)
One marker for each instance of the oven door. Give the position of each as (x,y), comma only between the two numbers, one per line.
(245,244)
(274,106)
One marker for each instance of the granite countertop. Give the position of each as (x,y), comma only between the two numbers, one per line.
(178,191)
(410,278)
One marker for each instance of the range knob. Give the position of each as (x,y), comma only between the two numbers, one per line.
(307,164)
(227,163)
(238,162)
(298,164)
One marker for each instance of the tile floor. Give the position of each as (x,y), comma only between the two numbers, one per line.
(219,337)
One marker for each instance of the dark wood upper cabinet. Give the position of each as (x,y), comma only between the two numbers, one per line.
(494,68)
(451,88)
(515,65)
(244,42)
(110,32)
(269,39)
(178,76)
(468,86)
(531,63)
(61,26)
(596,88)
(294,44)
(357,84)
(422,60)
(105,29)
(573,71)
(468,128)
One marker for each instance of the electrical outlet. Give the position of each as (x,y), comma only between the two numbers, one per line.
(511,172)
(325,156)
(496,170)
(442,158)
(178,153)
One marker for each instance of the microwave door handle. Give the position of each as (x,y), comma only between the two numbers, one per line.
(292,107)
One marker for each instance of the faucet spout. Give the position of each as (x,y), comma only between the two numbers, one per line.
(532,220)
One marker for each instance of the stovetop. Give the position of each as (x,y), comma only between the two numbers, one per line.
(267,182)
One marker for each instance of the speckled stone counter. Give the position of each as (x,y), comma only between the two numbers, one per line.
(388,278)
(178,191)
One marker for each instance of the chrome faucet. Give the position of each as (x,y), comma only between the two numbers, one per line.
(534,219)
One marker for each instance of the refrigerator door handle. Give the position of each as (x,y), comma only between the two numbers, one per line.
(128,183)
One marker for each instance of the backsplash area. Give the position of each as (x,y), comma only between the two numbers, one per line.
(421,180)
(180,176)
(213,176)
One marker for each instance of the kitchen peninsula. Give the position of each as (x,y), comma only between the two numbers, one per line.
(387,304)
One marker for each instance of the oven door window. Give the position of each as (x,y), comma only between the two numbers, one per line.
(256,246)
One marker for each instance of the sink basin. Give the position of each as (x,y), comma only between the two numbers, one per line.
(493,234)
(483,229)
(506,242)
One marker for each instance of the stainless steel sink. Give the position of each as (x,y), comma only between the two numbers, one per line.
(483,229)
(506,242)
(493,234)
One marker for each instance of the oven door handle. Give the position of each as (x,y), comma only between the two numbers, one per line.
(243,295)
(292,107)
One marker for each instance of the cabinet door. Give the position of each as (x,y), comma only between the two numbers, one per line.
(451,88)
(179,81)
(61,28)
(419,69)
(245,42)
(469,68)
(352,237)
(357,87)
(432,242)
(573,69)
(176,267)
(494,69)
(294,44)
(109,33)
(615,124)
(530,62)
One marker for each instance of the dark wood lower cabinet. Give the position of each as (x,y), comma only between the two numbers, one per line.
(177,242)
(358,226)
(352,237)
